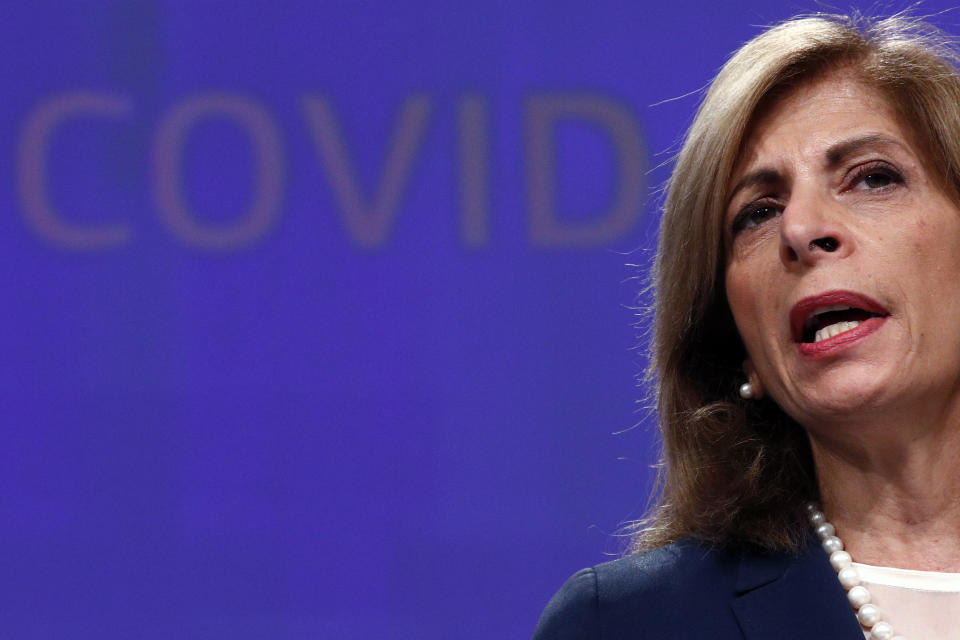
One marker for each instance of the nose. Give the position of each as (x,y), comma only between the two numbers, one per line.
(811,230)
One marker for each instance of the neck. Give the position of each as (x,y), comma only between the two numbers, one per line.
(893,493)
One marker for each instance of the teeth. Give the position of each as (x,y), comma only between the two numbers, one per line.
(832,330)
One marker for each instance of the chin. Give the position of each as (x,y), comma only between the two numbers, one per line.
(842,396)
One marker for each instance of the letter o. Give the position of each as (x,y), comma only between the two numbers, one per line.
(265,204)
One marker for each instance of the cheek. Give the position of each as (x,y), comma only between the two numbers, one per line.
(743,295)
(751,291)
(751,276)
(936,269)
(934,251)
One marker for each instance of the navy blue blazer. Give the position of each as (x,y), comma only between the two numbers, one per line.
(688,590)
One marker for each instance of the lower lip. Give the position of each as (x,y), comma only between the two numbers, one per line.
(841,341)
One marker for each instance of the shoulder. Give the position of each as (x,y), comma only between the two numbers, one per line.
(654,590)
(573,612)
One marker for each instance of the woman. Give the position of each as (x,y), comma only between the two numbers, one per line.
(806,352)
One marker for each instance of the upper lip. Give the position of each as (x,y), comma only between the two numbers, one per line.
(805,308)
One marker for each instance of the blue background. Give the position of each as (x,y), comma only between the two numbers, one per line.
(319,317)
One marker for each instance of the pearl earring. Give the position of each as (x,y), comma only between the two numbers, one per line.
(746,391)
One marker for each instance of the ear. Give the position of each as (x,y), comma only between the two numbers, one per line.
(753,378)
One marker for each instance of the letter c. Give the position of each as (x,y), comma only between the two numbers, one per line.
(32,178)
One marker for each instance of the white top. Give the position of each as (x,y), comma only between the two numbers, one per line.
(919,605)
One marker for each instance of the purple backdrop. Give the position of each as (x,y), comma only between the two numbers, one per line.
(318,315)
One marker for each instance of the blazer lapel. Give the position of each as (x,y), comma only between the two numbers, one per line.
(780,597)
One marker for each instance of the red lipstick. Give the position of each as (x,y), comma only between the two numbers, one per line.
(803,318)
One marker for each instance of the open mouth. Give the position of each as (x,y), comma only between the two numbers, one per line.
(822,317)
(832,321)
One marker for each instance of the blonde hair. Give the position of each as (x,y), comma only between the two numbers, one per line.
(735,471)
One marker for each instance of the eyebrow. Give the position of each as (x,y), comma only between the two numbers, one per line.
(760,176)
(835,155)
(839,151)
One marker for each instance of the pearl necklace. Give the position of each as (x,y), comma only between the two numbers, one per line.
(867,613)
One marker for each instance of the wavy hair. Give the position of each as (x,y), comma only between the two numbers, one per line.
(734,471)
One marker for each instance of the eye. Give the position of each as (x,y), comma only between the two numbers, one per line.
(753,215)
(875,176)
(876,180)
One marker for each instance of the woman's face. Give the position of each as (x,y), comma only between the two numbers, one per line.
(843,259)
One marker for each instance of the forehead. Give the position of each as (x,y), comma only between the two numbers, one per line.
(804,120)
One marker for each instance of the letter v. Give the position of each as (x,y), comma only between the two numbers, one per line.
(368,222)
